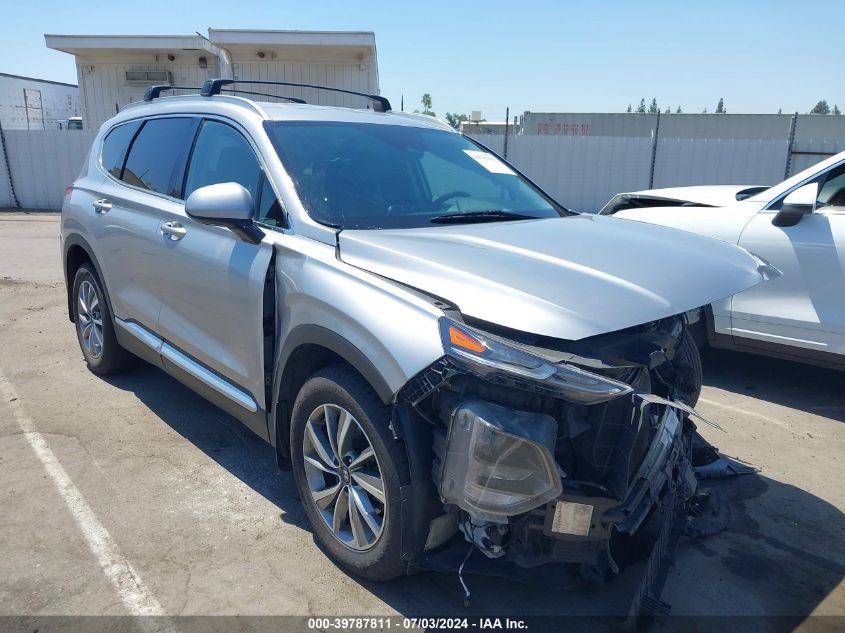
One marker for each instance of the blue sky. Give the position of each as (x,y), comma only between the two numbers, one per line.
(541,56)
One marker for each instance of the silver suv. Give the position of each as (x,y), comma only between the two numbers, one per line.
(441,353)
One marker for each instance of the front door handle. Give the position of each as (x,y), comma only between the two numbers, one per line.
(174,229)
(102,206)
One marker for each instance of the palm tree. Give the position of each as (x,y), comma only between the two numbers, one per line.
(426,102)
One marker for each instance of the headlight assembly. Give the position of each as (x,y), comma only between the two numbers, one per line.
(498,461)
(491,357)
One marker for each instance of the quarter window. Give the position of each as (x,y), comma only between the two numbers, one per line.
(269,208)
(115,146)
(157,154)
(222,154)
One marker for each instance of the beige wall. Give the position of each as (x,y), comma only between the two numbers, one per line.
(103,86)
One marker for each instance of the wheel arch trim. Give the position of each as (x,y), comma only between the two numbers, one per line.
(310,334)
(76,240)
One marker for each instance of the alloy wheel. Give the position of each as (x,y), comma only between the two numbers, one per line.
(344,476)
(89,320)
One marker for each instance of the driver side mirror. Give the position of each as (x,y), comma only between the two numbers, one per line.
(796,205)
(225,204)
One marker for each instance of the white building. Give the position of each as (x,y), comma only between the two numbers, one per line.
(36,104)
(115,70)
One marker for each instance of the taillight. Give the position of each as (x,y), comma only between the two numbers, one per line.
(68,190)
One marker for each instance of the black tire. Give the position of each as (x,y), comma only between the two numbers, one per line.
(342,386)
(698,331)
(112,358)
(688,366)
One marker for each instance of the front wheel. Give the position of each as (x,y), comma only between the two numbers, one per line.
(348,470)
(688,367)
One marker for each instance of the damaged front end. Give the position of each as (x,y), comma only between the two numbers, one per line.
(556,451)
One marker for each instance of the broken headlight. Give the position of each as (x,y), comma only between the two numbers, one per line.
(488,356)
(498,461)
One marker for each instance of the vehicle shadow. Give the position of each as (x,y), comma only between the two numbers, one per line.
(775,530)
(217,434)
(798,386)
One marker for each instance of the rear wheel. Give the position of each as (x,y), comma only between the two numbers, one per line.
(94,326)
(348,469)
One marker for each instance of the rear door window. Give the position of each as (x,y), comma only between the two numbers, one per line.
(115,145)
(222,154)
(157,155)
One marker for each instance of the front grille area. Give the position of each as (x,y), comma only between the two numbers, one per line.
(620,432)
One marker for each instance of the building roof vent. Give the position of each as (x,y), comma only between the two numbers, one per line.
(148,77)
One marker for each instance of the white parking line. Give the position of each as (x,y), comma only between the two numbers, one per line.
(134,594)
(742,411)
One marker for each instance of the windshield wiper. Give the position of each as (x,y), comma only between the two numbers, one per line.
(480,216)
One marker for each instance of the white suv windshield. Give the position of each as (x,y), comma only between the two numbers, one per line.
(377,176)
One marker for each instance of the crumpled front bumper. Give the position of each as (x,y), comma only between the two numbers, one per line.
(582,529)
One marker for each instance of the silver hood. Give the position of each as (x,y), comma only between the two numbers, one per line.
(567,278)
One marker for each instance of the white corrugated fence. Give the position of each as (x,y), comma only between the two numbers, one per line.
(582,171)
(42,164)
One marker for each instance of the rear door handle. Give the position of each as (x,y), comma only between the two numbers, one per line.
(174,229)
(102,206)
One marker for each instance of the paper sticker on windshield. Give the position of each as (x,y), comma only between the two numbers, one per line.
(489,162)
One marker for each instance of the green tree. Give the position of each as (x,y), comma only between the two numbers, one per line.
(720,107)
(668,110)
(426,103)
(679,111)
(821,108)
(629,108)
(836,109)
(454,119)
(641,107)
(653,109)
(780,110)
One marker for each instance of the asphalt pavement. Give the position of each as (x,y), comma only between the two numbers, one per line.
(132,490)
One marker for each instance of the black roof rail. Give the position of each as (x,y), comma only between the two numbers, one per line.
(265,94)
(214,86)
(154,92)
